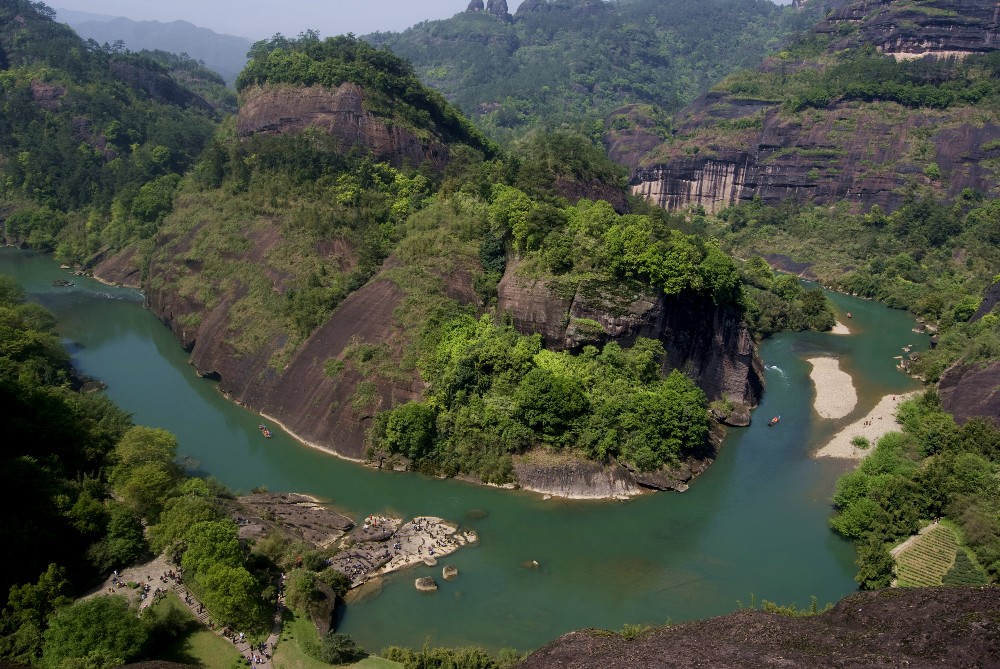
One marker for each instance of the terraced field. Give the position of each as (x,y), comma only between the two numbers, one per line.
(927,558)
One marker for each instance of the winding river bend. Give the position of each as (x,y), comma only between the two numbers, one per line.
(754,524)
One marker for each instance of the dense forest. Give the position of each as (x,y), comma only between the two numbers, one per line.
(575,61)
(107,151)
(95,138)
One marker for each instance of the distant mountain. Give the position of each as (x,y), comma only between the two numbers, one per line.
(225,54)
(71,16)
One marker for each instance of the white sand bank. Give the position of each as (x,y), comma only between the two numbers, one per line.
(879,421)
(840,329)
(835,393)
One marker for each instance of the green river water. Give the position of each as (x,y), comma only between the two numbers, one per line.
(754,524)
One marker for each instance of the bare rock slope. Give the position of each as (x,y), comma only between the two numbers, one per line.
(731,146)
(918,628)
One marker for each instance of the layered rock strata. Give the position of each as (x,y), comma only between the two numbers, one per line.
(339,112)
(710,342)
(728,147)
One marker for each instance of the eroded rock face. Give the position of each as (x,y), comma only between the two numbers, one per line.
(918,628)
(729,148)
(710,342)
(971,391)
(852,152)
(300,395)
(574,478)
(340,113)
(945,28)
(157,86)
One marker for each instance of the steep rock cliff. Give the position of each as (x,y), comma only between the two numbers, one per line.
(729,147)
(318,408)
(710,342)
(339,112)
(971,391)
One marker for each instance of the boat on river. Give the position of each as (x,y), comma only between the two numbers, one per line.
(774,421)
(264,431)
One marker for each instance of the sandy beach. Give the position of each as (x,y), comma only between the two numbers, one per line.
(835,393)
(840,329)
(879,421)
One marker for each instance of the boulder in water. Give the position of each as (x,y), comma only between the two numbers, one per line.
(450,573)
(426,584)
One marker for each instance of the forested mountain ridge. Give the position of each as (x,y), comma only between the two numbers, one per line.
(879,98)
(94,140)
(346,286)
(574,61)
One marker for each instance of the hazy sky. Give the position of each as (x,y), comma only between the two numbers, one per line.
(258,19)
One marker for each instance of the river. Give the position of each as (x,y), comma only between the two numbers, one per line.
(755,525)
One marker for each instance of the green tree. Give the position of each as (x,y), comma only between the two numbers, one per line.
(97,633)
(234,596)
(124,545)
(178,516)
(875,565)
(146,471)
(211,542)
(549,404)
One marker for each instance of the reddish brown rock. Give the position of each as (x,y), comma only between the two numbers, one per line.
(339,112)
(728,148)
(971,391)
(710,342)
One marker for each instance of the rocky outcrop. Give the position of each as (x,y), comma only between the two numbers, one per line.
(574,478)
(498,8)
(942,28)
(316,407)
(339,112)
(990,301)
(158,86)
(850,152)
(919,628)
(728,148)
(710,342)
(971,391)
(475,6)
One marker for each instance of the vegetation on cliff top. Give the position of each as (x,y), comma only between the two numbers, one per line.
(392,89)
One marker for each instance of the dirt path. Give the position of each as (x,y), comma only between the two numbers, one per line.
(162,575)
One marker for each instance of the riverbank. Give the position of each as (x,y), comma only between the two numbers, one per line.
(880,421)
(840,329)
(836,396)
(384,545)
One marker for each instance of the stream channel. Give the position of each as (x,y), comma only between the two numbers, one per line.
(755,525)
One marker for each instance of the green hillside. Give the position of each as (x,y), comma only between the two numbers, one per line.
(574,61)
(94,141)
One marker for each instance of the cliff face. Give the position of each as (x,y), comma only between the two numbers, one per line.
(318,408)
(340,113)
(917,628)
(710,342)
(728,147)
(971,391)
(947,28)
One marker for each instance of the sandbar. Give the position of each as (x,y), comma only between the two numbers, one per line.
(835,393)
(840,329)
(880,421)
